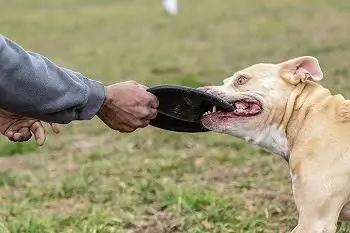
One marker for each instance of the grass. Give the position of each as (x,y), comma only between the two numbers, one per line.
(9,149)
(90,179)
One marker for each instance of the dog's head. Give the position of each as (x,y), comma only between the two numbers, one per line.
(260,93)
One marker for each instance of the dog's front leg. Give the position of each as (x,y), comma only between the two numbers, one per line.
(319,197)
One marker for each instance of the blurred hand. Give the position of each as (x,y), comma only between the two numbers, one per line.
(19,129)
(128,106)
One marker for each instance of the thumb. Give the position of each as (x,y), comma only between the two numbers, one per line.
(55,127)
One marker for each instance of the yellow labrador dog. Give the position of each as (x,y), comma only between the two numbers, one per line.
(283,109)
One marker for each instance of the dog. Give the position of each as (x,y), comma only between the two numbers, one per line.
(282,108)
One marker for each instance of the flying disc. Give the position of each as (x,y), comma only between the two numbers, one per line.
(181,108)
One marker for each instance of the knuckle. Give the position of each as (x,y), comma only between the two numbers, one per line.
(35,125)
(122,130)
(139,101)
(156,103)
(151,97)
(154,114)
(138,123)
(129,130)
(147,112)
(153,100)
(145,124)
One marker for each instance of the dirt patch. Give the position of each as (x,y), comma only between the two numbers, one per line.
(157,222)
(82,144)
(221,177)
(62,206)
(13,163)
(282,197)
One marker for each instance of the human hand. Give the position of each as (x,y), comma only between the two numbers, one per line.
(128,106)
(19,129)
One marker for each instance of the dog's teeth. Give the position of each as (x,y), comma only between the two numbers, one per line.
(240,105)
(214,108)
(207,113)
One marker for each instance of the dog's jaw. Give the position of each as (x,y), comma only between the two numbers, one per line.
(262,129)
(272,138)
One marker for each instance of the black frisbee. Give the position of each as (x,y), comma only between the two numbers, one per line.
(181,108)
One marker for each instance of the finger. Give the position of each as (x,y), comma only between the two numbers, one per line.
(153,101)
(148,114)
(153,114)
(17,137)
(129,130)
(139,123)
(9,133)
(21,124)
(55,128)
(21,135)
(39,133)
(144,124)
(126,129)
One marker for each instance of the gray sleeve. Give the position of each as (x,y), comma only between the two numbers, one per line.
(32,85)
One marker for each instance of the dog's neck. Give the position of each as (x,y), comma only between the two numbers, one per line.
(305,97)
(284,128)
(274,137)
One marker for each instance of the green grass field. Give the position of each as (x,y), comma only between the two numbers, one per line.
(90,179)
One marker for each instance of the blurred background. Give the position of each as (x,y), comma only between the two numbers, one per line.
(90,179)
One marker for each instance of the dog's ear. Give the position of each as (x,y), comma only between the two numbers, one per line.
(301,69)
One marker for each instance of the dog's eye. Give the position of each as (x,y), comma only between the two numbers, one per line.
(241,80)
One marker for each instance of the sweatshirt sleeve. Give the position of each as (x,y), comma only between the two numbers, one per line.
(34,86)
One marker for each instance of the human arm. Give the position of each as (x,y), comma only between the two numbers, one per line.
(34,86)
